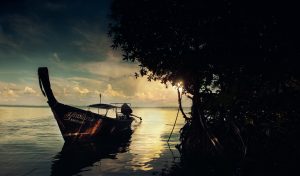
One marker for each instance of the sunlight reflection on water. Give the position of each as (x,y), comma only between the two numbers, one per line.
(31,144)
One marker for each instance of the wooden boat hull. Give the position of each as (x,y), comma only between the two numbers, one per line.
(80,125)
(77,125)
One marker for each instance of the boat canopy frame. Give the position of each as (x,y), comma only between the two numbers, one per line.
(107,107)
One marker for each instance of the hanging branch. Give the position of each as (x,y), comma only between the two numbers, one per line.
(212,138)
(179,108)
(173,126)
(180,105)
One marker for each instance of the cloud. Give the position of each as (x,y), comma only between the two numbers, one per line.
(77,90)
(8,89)
(90,38)
(29,90)
(68,88)
(110,92)
(56,58)
(81,90)
(7,42)
(10,93)
(85,81)
(18,93)
(121,85)
(26,30)
(112,67)
(154,91)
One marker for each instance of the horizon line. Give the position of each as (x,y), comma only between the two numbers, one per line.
(45,106)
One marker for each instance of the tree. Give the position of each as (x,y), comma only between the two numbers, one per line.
(237,60)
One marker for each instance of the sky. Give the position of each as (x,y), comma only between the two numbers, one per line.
(70,38)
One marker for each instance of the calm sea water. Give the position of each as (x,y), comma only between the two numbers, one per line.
(31,144)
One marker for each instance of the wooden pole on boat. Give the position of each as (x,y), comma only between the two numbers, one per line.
(100,102)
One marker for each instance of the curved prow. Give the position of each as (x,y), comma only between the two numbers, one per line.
(46,86)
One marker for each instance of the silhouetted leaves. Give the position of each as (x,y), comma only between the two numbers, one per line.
(237,58)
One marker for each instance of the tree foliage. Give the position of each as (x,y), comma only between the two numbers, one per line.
(238,60)
(195,40)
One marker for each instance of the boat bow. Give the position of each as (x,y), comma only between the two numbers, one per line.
(45,85)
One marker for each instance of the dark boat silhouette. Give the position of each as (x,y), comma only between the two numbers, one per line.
(77,125)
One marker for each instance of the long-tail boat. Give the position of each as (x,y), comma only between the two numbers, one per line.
(78,125)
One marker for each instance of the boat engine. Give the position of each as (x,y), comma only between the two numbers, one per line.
(126,110)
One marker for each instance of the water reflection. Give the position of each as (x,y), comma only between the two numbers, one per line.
(147,145)
(149,140)
(31,144)
(77,158)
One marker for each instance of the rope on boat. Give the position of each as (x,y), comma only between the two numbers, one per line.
(137,117)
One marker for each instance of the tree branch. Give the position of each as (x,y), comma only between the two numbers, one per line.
(180,105)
